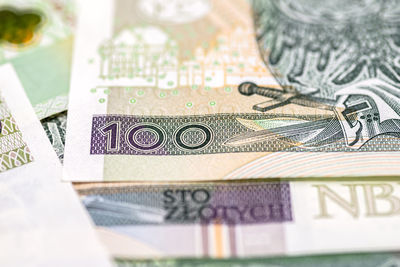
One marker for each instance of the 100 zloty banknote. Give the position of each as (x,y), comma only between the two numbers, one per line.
(213,90)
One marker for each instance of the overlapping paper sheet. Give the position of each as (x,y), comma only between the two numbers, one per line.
(42,222)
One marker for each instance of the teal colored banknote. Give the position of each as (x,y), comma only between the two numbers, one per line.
(36,38)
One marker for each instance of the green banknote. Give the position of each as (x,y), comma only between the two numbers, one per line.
(221,90)
(351,260)
(36,38)
(55,127)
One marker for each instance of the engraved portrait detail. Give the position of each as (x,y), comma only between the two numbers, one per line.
(328,44)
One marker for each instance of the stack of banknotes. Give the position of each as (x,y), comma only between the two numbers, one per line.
(199,133)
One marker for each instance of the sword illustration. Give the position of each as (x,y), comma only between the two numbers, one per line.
(281,98)
(332,125)
(284,131)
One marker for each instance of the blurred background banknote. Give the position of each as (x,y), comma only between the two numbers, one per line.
(244,219)
(36,38)
(353,260)
(41,220)
(55,128)
(211,90)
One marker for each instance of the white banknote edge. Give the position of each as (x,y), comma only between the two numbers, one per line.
(76,167)
(49,227)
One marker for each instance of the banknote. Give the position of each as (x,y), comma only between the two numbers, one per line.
(353,260)
(244,218)
(55,127)
(36,38)
(42,222)
(211,90)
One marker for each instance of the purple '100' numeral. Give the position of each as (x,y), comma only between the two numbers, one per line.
(138,137)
